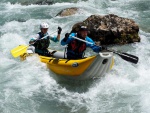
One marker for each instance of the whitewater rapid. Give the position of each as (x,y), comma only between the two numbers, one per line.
(29,87)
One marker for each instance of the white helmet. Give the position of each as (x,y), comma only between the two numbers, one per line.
(44,25)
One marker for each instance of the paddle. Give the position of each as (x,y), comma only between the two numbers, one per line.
(21,49)
(125,56)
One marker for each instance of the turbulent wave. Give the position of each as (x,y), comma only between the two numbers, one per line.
(29,87)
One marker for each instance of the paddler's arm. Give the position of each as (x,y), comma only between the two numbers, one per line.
(95,48)
(67,39)
(59,32)
(56,39)
(32,40)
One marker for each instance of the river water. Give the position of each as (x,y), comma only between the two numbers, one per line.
(29,87)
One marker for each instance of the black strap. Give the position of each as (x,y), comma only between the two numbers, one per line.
(52,53)
(65,52)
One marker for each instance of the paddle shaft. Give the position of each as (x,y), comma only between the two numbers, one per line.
(125,56)
(22,49)
(43,37)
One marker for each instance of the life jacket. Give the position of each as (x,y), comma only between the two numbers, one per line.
(42,44)
(76,48)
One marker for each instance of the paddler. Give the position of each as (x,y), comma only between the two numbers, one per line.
(76,48)
(42,40)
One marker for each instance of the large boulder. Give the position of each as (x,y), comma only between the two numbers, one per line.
(110,29)
(68,12)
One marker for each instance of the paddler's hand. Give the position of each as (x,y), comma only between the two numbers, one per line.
(31,42)
(66,37)
(59,30)
(103,48)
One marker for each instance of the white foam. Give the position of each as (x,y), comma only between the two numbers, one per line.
(30,83)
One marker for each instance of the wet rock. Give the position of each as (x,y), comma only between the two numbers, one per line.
(39,2)
(44,2)
(110,29)
(49,2)
(68,11)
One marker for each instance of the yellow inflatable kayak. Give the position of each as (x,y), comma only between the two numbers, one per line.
(86,68)
(67,67)
(90,67)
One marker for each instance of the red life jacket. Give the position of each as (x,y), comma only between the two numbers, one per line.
(77,46)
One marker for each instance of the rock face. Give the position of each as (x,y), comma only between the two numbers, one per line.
(110,29)
(68,11)
(39,2)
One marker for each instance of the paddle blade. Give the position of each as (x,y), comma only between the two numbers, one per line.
(19,50)
(129,57)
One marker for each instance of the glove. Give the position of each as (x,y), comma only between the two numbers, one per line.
(96,49)
(66,36)
(31,49)
(32,41)
(103,48)
(59,30)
